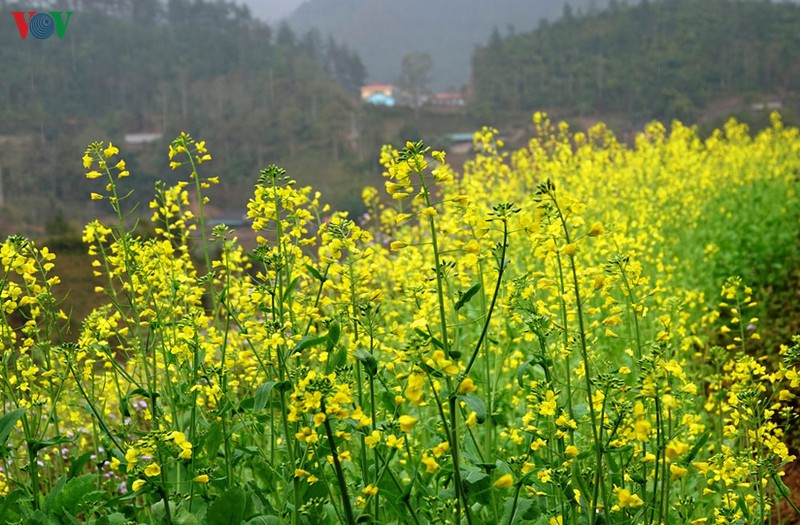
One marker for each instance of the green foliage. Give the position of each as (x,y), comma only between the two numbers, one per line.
(129,67)
(654,59)
(228,509)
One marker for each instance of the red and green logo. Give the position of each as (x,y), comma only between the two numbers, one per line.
(42,25)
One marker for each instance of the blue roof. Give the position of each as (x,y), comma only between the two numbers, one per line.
(379,99)
(458,137)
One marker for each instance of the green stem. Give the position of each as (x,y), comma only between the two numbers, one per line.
(501,269)
(348,509)
(513,513)
(780,486)
(632,306)
(445,343)
(587,375)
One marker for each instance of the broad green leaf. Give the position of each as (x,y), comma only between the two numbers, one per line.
(337,359)
(696,448)
(76,465)
(117,518)
(264,520)
(7,424)
(525,511)
(469,294)
(228,508)
(429,336)
(55,492)
(36,446)
(262,395)
(368,360)
(318,276)
(213,440)
(308,342)
(291,287)
(477,485)
(333,335)
(76,492)
(477,406)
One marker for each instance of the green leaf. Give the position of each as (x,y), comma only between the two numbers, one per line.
(228,508)
(368,360)
(474,476)
(469,294)
(336,360)
(40,518)
(637,478)
(291,287)
(696,448)
(318,276)
(782,488)
(142,392)
(521,373)
(477,485)
(116,518)
(429,336)
(614,467)
(580,481)
(7,424)
(76,465)
(333,335)
(11,508)
(36,446)
(743,507)
(184,517)
(262,395)
(213,440)
(308,342)
(55,492)
(264,520)
(526,510)
(76,492)
(612,464)
(476,404)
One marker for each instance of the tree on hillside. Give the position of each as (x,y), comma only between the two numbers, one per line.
(415,76)
(628,60)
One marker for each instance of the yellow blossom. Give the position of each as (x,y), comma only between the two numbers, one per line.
(467,386)
(110,151)
(138,485)
(152,470)
(626,499)
(407,422)
(504,481)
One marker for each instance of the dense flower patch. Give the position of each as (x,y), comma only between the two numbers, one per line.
(562,334)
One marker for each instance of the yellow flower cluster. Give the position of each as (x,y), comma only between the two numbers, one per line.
(536,336)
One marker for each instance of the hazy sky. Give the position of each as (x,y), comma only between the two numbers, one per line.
(271,10)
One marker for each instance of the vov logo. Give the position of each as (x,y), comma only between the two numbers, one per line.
(42,25)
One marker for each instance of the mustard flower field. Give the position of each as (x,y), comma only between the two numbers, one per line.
(563,334)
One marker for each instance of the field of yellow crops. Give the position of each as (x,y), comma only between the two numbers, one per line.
(563,334)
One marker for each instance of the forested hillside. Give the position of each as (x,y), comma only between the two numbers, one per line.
(259,94)
(667,59)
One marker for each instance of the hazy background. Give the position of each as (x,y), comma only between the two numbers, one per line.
(279,81)
(448,30)
(272,10)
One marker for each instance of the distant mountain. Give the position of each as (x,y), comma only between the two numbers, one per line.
(383,31)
